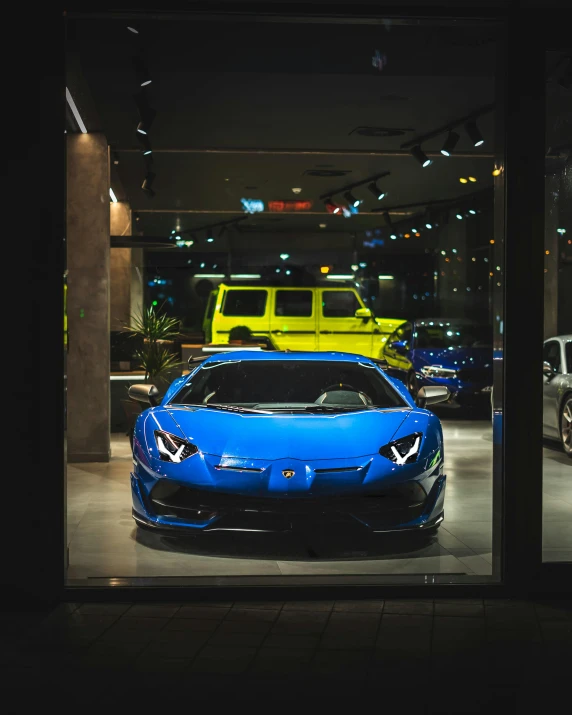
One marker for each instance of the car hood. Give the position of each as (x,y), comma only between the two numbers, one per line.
(251,436)
(456,359)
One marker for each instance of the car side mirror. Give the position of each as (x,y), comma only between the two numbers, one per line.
(148,394)
(547,370)
(400,346)
(364,313)
(432,394)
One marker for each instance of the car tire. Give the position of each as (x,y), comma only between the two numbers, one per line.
(412,385)
(566,425)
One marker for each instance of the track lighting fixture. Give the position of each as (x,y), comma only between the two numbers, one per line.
(420,155)
(378,193)
(148,183)
(331,206)
(115,156)
(474,134)
(351,199)
(450,143)
(387,218)
(145,143)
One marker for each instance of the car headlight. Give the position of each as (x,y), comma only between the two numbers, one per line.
(438,371)
(404,450)
(172,448)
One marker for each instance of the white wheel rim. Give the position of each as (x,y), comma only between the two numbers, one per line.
(566,426)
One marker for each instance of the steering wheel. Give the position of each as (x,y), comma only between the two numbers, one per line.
(340,386)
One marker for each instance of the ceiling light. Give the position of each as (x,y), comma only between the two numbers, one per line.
(141,128)
(209,275)
(141,71)
(322,225)
(210,239)
(245,276)
(420,155)
(393,237)
(472,178)
(351,199)
(375,191)
(288,273)
(354,266)
(472,211)
(284,256)
(474,134)
(133,30)
(428,225)
(147,184)
(496,172)
(75,112)
(331,206)
(112,195)
(340,277)
(297,190)
(115,158)
(450,143)
(324,269)
(460,217)
(385,278)
(463,180)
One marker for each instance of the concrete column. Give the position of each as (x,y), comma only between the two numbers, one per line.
(88,232)
(126,270)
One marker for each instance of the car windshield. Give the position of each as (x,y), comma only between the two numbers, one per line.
(312,386)
(452,335)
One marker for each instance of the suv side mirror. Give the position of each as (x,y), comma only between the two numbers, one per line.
(431,394)
(364,313)
(547,370)
(148,394)
(400,346)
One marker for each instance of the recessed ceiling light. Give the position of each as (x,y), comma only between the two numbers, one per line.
(322,225)
(297,190)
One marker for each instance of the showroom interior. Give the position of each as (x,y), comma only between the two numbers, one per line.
(361,156)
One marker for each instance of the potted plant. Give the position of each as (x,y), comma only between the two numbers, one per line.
(155,332)
(240,335)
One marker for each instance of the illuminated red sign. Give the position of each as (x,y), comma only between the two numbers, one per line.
(289,205)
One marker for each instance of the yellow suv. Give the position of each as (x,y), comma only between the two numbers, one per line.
(305,318)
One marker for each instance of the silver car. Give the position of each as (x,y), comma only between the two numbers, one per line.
(557,400)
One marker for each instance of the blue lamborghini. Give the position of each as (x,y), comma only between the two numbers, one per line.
(260,441)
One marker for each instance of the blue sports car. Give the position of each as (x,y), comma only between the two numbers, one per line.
(265,441)
(454,353)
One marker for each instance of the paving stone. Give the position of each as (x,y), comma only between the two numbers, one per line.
(282,661)
(223,659)
(366,606)
(308,606)
(298,622)
(407,607)
(199,611)
(253,615)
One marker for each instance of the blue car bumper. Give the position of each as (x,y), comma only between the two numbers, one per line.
(171,507)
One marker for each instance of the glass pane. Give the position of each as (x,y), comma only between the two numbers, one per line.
(279,360)
(294,303)
(557,355)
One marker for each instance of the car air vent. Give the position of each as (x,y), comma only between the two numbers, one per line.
(381,131)
(337,469)
(327,172)
(239,469)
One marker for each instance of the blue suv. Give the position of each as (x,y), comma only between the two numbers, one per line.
(455,353)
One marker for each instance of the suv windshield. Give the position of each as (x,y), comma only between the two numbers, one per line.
(455,335)
(289,385)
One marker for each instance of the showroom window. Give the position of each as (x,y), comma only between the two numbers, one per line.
(557,365)
(341,304)
(240,193)
(244,303)
(294,303)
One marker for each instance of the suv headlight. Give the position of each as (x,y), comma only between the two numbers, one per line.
(172,448)
(404,450)
(438,371)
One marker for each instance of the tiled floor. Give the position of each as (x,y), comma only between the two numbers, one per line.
(426,656)
(103,541)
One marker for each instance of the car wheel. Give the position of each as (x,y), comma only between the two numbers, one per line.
(566,425)
(412,385)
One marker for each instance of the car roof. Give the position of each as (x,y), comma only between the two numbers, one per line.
(286,355)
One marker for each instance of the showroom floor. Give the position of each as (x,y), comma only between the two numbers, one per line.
(104,543)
